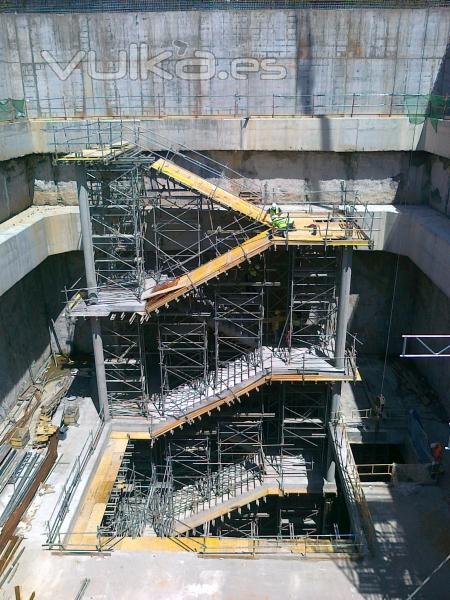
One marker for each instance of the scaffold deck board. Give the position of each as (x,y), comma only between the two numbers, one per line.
(101,152)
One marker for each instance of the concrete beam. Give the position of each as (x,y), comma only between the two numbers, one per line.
(315,134)
(420,233)
(32,236)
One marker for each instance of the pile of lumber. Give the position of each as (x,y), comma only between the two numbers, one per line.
(45,428)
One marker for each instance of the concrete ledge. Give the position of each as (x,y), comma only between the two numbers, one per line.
(436,140)
(335,134)
(32,236)
(421,234)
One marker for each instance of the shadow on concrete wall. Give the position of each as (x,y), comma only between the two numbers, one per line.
(27,314)
(419,307)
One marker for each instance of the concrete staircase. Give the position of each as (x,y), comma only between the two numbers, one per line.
(238,378)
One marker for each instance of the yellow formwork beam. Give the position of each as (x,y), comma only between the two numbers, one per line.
(209,190)
(309,230)
(165,293)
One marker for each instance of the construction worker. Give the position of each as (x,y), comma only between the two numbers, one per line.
(282,224)
(274,210)
(252,272)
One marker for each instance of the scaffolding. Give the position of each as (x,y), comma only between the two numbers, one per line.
(312,303)
(154,226)
(183,350)
(116,204)
(125,367)
(126,512)
(238,321)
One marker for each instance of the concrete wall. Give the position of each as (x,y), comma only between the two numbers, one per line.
(377,177)
(434,138)
(16,187)
(333,52)
(439,186)
(431,315)
(27,313)
(371,296)
(334,134)
(34,180)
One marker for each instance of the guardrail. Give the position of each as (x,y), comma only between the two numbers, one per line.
(354,494)
(303,545)
(388,414)
(374,470)
(179,402)
(54,523)
(240,105)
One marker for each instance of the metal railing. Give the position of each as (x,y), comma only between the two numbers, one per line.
(389,414)
(303,545)
(354,493)
(59,513)
(238,105)
(181,400)
(374,470)
(229,481)
(92,6)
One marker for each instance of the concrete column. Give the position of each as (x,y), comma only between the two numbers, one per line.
(343,306)
(335,399)
(331,472)
(91,282)
(86,233)
(100,373)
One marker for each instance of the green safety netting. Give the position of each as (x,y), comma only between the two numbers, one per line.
(427,106)
(11,108)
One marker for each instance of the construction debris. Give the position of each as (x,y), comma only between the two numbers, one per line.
(44,427)
(71,414)
(20,437)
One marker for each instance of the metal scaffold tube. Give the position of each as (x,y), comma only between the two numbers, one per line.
(91,283)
